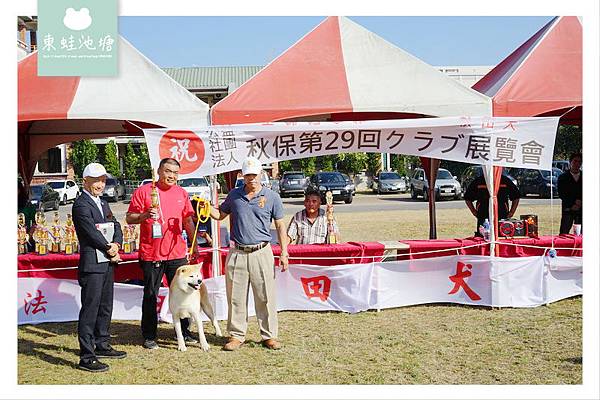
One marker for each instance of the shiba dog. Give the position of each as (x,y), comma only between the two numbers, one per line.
(187,295)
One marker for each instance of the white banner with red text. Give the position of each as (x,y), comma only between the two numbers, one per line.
(525,142)
(475,280)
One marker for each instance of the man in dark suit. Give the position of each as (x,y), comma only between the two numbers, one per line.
(95,271)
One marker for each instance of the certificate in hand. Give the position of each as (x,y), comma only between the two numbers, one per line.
(107,229)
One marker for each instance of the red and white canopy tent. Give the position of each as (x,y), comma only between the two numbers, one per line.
(55,110)
(542,77)
(340,71)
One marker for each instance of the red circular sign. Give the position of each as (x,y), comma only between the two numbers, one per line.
(184,146)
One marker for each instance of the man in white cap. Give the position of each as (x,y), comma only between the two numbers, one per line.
(98,255)
(250,261)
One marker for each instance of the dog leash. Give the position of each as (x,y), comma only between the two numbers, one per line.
(202,214)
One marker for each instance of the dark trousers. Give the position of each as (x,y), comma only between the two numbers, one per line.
(567,219)
(95,313)
(153,274)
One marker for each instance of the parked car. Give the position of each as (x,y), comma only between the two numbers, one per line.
(66,188)
(350,184)
(114,189)
(145,181)
(264,180)
(537,181)
(44,197)
(293,183)
(196,186)
(563,165)
(388,182)
(275,185)
(333,181)
(446,185)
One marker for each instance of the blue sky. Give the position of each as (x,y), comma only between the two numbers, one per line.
(235,41)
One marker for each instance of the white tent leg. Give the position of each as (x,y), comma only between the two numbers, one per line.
(215,229)
(488,171)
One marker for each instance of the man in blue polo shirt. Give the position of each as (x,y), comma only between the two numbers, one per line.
(250,261)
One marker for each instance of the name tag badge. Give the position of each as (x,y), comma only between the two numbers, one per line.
(156,231)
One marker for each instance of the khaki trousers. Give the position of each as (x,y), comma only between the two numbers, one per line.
(256,269)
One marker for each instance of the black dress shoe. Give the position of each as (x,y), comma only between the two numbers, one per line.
(188,338)
(150,344)
(93,365)
(109,352)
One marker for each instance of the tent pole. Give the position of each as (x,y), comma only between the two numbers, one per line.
(432,221)
(215,229)
(492,191)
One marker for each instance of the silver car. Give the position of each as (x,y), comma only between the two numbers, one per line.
(196,186)
(388,182)
(446,185)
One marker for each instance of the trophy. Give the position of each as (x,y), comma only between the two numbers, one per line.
(40,234)
(22,236)
(127,234)
(56,234)
(134,238)
(331,239)
(70,236)
(155,203)
(531,221)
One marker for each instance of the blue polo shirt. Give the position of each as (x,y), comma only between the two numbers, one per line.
(251,219)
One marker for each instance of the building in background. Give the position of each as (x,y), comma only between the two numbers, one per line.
(212,84)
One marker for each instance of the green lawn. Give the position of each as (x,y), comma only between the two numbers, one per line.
(427,344)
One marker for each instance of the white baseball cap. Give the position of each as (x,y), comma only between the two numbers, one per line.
(94,170)
(251,165)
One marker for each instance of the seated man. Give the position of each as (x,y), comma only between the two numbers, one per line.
(309,226)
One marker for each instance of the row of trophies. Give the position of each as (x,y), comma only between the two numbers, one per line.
(60,238)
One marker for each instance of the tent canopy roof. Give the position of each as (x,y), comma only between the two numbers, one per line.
(54,110)
(340,67)
(140,92)
(541,77)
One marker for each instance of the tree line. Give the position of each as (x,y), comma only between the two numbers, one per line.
(136,164)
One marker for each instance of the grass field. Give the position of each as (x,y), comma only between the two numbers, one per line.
(426,344)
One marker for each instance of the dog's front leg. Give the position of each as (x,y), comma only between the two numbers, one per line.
(180,341)
(200,325)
